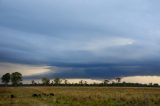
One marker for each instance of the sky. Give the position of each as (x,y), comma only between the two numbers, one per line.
(95,39)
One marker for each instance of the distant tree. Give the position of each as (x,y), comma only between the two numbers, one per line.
(118,79)
(57,81)
(65,82)
(113,82)
(45,81)
(81,82)
(6,78)
(105,82)
(38,83)
(94,83)
(85,82)
(155,85)
(33,82)
(16,78)
(52,82)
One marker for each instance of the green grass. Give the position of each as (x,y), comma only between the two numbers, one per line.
(80,96)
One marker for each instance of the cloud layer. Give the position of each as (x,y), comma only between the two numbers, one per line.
(94,39)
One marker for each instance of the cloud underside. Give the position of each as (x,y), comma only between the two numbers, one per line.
(89,71)
(76,40)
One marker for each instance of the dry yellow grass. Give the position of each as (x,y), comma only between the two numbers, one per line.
(80,96)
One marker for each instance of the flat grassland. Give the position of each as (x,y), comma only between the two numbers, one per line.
(79,96)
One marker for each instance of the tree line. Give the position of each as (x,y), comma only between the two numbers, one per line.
(15,79)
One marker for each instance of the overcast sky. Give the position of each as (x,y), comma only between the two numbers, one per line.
(80,38)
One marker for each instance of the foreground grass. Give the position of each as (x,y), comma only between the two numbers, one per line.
(80,96)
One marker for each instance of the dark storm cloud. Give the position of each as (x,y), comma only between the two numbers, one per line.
(82,38)
(99,71)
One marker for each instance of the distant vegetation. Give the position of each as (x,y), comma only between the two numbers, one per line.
(15,79)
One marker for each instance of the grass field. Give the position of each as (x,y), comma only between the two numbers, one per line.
(79,96)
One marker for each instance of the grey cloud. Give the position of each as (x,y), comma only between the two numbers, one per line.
(82,32)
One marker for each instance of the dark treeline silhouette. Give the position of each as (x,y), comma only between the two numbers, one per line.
(15,79)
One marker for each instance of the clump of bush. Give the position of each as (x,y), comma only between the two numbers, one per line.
(43,94)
